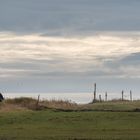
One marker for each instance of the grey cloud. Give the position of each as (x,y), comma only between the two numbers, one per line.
(37,63)
(73,63)
(64,17)
(34,55)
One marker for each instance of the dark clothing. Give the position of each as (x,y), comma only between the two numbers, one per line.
(1,97)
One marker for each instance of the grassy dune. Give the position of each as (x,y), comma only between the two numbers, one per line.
(58,120)
(31,104)
(113,106)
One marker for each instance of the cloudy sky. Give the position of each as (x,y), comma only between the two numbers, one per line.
(67,45)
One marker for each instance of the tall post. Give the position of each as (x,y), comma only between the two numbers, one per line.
(100,98)
(94,100)
(37,103)
(106,96)
(122,95)
(131,95)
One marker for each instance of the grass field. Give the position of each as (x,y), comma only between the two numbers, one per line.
(40,125)
(52,124)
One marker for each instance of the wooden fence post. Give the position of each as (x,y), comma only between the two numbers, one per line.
(106,96)
(131,95)
(94,99)
(37,103)
(122,95)
(100,98)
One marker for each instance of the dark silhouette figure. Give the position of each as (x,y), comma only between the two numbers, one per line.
(1,97)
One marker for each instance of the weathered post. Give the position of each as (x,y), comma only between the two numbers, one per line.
(100,98)
(122,95)
(37,103)
(131,95)
(106,96)
(94,99)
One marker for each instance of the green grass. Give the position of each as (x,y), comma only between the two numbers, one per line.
(63,120)
(57,125)
(113,106)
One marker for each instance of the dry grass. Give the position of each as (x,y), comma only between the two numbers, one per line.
(60,104)
(24,103)
(32,104)
(18,104)
(10,107)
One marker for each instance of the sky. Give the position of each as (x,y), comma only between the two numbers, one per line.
(65,46)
